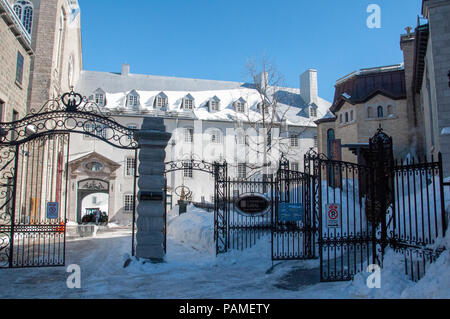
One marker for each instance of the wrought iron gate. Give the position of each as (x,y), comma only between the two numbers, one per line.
(234,230)
(294,219)
(378,205)
(34,206)
(33,177)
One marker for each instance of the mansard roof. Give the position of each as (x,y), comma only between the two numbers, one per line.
(148,87)
(362,86)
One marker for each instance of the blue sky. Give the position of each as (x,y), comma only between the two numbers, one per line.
(212,39)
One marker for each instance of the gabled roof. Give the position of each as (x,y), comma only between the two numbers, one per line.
(76,160)
(241,100)
(133,92)
(215,99)
(361,87)
(189,97)
(163,95)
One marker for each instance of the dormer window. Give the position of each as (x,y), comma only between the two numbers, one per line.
(261,107)
(214,104)
(188,102)
(99,97)
(133,99)
(161,101)
(239,105)
(313,111)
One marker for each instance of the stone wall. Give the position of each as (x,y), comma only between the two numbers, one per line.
(12,94)
(362,128)
(50,71)
(438,14)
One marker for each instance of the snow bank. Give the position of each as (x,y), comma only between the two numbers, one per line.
(395,284)
(195,227)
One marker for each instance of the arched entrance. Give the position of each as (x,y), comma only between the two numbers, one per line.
(34,189)
(88,188)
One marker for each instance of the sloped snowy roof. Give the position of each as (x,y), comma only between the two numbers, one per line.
(291,106)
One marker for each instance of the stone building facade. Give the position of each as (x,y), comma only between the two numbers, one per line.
(56,40)
(364,101)
(431,78)
(15,60)
(209,121)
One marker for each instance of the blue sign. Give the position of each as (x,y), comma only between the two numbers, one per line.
(52,210)
(290,212)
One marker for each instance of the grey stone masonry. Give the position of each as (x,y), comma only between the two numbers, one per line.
(438,14)
(152,139)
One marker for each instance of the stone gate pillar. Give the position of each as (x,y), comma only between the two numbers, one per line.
(153,140)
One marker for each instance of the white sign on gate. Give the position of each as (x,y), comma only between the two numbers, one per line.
(334,215)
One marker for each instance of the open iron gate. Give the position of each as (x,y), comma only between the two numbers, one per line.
(33,205)
(33,176)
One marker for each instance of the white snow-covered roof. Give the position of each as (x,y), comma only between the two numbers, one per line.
(291,107)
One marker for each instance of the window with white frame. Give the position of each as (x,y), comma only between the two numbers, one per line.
(132,100)
(189,135)
(24,11)
(242,170)
(294,140)
(316,141)
(214,105)
(216,136)
(95,129)
(240,106)
(241,138)
(99,99)
(128,203)
(187,169)
(313,111)
(130,166)
(188,103)
(294,166)
(161,101)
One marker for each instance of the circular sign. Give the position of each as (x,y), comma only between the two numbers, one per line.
(333,214)
(252,205)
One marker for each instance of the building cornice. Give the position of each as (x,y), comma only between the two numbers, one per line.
(16,27)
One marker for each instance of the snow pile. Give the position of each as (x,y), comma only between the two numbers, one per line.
(195,227)
(173,213)
(395,284)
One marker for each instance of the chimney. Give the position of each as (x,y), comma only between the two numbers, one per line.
(125,69)
(308,86)
(262,81)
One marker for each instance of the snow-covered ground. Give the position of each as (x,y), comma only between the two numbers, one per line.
(192,271)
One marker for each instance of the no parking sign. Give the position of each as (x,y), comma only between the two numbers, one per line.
(334,215)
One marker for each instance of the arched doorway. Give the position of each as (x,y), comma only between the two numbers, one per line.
(86,199)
